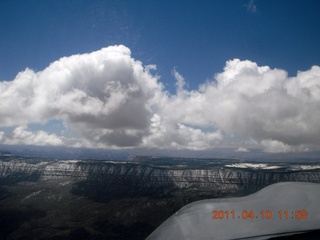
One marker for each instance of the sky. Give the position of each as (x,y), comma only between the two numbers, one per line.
(161,74)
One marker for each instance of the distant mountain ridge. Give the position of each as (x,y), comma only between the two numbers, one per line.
(145,173)
(64,153)
(48,198)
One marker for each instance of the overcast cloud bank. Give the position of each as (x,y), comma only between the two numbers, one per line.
(112,100)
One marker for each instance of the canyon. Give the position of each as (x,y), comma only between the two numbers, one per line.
(100,199)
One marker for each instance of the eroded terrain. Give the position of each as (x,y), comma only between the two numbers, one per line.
(94,199)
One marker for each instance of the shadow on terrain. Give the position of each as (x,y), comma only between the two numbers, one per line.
(11,220)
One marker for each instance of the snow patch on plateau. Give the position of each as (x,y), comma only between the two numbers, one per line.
(253,165)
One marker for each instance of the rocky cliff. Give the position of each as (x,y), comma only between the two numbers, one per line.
(140,177)
(66,199)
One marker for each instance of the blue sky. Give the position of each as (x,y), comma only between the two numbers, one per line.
(192,40)
(197,37)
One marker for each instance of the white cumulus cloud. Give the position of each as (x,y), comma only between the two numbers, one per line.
(112,101)
(242,149)
(106,95)
(21,135)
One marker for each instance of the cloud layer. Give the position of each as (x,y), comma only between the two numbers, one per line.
(112,101)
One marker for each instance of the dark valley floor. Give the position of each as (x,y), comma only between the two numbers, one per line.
(95,199)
